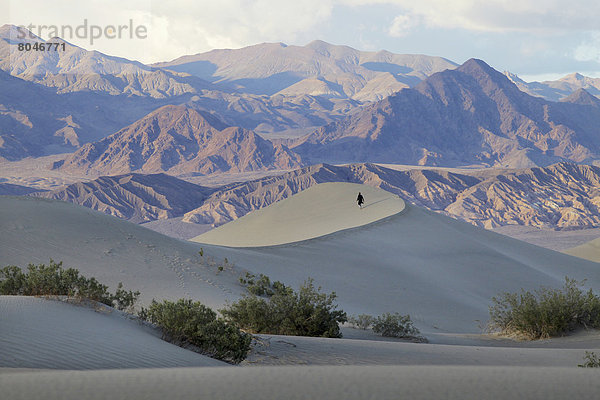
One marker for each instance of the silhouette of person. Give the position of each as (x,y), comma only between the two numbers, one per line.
(360,200)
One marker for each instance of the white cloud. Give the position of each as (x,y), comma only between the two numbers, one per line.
(206,25)
(179,27)
(401,26)
(498,15)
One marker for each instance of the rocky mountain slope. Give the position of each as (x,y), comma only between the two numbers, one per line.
(55,101)
(560,196)
(179,139)
(36,121)
(134,197)
(9,189)
(473,115)
(75,69)
(318,68)
(433,189)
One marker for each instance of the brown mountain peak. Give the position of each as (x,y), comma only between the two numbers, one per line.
(582,97)
(180,139)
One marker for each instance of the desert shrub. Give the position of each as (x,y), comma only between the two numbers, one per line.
(307,312)
(53,279)
(12,281)
(124,300)
(546,312)
(186,321)
(395,325)
(361,321)
(591,360)
(261,285)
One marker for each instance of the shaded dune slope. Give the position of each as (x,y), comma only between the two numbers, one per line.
(40,333)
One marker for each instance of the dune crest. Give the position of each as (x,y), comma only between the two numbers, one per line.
(588,251)
(317,211)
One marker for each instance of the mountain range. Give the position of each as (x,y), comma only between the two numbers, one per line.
(318,68)
(97,94)
(75,69)
(56,102)
(179,140)
(560,196)
(215,112)
(36,121)
(558,89)
(472,115)
(134,197)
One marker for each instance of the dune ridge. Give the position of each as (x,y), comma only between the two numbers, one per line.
(317,211)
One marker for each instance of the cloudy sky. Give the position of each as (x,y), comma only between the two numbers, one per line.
(535,39)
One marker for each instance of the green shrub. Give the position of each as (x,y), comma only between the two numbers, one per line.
(591,360)
(261,285)
(362,321)
(41,280)
(124,300)
(186,321)
(395,325)
(307,312)
(546,312)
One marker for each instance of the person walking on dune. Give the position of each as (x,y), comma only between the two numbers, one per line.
(360,200)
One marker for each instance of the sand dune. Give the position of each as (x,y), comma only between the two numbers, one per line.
(441,271)
(315,382)
(40,333)
(316,211)
(589,251)
(111,250)
(366,348)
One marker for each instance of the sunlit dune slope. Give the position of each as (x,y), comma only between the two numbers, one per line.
(314,212)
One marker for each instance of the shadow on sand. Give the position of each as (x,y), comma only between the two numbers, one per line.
(370,204)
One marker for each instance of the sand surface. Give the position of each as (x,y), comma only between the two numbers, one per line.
(316,211)
(308,382)
(112,250)
(176,228)
(365,348)
(549,238)
(589,250)
(41,333)
(442,272)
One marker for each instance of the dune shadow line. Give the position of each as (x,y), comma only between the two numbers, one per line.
(379,201)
